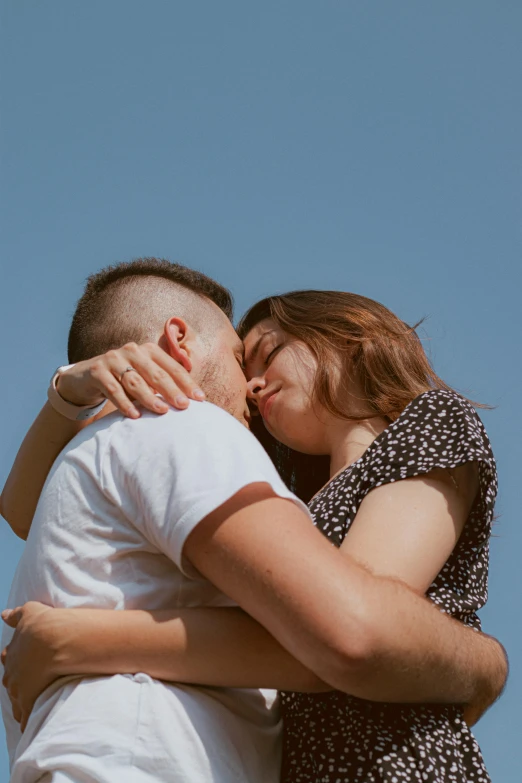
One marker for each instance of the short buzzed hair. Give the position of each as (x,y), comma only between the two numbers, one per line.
(130,301)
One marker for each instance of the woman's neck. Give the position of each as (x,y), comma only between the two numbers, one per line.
(348,440)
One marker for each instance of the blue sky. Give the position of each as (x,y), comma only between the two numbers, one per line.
(371,147)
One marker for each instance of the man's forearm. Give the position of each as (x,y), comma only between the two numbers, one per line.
(416,653)
(368,636)
(48,435)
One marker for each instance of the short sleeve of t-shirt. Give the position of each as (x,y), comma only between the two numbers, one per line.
(439,429)
(167,473)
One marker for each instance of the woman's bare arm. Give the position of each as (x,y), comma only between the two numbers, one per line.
(407,529)
(220,647)
(224,646)
(87,383)
(48,435)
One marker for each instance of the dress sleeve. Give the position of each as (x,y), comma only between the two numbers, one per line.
(439,429)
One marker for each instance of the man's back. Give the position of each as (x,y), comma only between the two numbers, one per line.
(108,533)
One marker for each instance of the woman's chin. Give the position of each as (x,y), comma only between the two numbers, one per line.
(293,440)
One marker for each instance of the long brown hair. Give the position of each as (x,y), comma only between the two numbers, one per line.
(382,351)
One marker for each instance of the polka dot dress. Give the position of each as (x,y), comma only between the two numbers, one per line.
(335,738)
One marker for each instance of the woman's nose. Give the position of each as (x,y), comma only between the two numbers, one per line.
(254,386)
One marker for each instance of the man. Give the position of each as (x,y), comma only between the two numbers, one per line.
(184,510)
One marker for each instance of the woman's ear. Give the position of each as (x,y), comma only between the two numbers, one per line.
(175,334)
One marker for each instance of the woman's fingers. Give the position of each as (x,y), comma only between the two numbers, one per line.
(5,676)
(165,375)
(129,375)
(12,616)
(115,392)
(138,389)
(12,692)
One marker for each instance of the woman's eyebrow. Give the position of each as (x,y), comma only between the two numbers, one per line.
(257,345)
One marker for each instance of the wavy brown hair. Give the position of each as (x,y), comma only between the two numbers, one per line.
(383,352)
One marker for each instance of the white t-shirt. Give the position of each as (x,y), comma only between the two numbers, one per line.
(109,532)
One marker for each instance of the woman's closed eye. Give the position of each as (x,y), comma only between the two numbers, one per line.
(272,353)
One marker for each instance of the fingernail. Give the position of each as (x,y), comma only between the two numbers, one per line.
(198,394)
(181,401)
(134,413)
(5,614)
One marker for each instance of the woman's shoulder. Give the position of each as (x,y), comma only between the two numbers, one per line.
(441,411)
(438,429)
(441,403)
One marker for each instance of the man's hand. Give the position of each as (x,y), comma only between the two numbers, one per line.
(153,371)
(494,683)
(29,660)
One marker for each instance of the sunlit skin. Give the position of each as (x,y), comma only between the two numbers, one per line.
(404,530)
(280,372)
(223,380)
(216,365)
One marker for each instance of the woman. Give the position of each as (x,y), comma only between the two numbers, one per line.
(405,482)
(382,416)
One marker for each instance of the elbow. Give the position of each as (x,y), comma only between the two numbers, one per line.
(20,530)
(22,533)
(349,660)
(351,666)
(16,525)
(356,638)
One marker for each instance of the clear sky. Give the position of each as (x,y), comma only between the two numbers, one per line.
(371,147)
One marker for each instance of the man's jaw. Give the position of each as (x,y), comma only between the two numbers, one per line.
(219,394)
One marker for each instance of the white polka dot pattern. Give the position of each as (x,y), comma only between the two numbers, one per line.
(335,738)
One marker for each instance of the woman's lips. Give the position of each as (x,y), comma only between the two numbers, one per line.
(266,404)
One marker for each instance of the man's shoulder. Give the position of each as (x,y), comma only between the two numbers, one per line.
(197,416)
(203,432)
(200,421)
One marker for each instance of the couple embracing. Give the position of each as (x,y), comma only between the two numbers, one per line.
(274,619)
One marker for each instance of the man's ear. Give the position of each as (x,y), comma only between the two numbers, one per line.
(176,334)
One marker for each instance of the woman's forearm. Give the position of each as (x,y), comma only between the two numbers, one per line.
(48,435)
(87,383)
(221,647)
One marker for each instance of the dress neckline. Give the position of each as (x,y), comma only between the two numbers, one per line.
(369,448)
